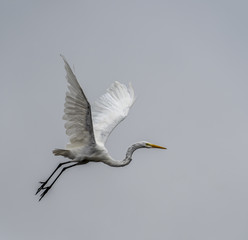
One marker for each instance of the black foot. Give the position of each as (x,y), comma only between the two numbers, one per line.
(46,189)
(41,187)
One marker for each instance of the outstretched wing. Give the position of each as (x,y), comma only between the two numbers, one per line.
(77,110)
(110,109)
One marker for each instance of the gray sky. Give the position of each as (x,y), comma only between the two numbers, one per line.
(187,61)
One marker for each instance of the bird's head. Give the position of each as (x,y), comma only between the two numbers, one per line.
(150,145)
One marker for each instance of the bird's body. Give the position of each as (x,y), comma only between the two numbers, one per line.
(88,130)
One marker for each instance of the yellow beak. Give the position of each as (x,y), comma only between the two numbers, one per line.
(155,146)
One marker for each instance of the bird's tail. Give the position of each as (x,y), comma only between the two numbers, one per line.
(62,152)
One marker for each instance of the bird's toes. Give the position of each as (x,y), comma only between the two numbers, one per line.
(46,189)
(41,187)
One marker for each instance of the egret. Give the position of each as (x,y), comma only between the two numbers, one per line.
(88,131)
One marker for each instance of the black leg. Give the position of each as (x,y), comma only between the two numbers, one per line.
(46,189)
(44,183)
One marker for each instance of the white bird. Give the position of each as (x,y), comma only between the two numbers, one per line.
(88,131)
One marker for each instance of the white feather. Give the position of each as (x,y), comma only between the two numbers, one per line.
(110,109)
(77,113)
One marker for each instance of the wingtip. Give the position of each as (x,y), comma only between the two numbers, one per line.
(131,91)
(130,85)
(63,57)
(67,66)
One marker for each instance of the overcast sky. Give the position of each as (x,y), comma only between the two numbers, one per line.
(187,61)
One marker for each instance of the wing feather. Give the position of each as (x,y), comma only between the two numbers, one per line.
(77,111)
(110,109)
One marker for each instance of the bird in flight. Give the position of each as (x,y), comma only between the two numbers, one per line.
(89,130)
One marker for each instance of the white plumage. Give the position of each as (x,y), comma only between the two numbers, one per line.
(77,113)
(110,109)
(89,132)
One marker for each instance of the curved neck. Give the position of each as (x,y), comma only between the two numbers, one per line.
(113,163)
